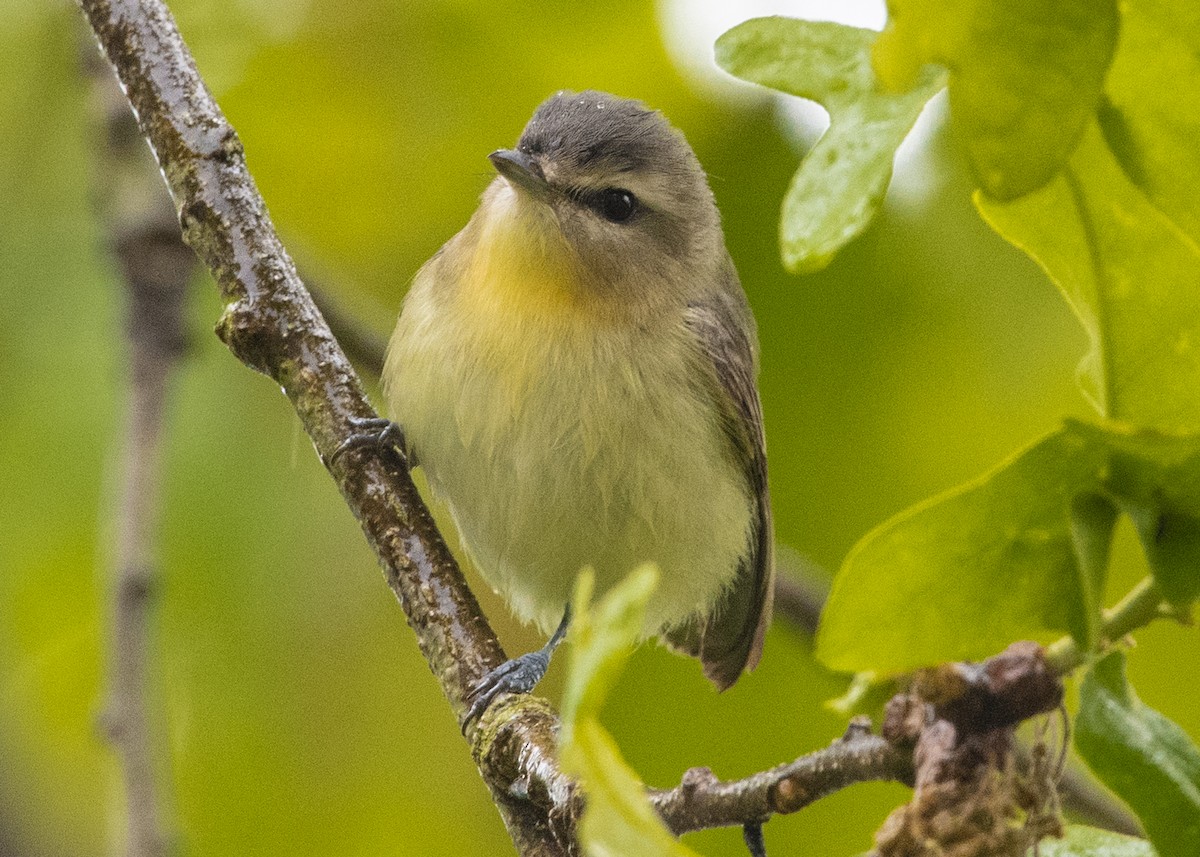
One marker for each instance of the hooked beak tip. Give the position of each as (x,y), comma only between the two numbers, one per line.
(520,170)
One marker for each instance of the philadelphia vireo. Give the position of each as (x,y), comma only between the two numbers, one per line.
(576,373)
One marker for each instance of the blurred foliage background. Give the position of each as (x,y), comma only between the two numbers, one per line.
(299,715)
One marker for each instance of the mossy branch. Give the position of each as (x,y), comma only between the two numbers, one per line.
(271,324)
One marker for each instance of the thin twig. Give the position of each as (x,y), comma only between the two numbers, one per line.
(702,801)
(272,325)
(156,267)
(1141,605)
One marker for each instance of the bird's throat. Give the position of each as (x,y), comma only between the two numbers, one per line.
(522,266)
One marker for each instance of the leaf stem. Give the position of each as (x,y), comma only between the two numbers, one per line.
(1140,606)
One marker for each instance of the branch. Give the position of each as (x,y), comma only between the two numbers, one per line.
(156,268)
(801,587)
(271,325)
(702,801)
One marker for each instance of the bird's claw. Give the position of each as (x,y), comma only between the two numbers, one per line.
(519,675)
(371,431)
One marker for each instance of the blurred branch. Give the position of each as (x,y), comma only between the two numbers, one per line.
(156,268)
(801,588)
(702,801)
(272,325)
(362,344)
(1089,800)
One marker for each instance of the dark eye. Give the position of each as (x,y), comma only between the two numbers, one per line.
(616,205)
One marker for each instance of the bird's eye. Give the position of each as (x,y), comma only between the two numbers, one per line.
(616,205)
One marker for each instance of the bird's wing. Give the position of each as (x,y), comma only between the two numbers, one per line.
(730,639)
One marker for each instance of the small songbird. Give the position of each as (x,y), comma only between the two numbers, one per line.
(576,373)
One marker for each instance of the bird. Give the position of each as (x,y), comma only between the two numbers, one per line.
(576,373)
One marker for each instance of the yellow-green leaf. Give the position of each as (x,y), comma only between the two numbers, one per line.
(1020,553)
(618,819)
(1025,77)
(964,574)
(1131,275)
(842,181)
(1151,118)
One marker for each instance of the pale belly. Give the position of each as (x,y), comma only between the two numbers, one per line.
(558,453)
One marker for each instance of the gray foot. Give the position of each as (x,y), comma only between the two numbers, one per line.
(519,675)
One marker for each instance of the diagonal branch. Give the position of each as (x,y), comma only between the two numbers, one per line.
(271,324)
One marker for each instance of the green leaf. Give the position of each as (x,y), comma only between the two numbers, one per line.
(1151,118)
(1020,553)
(842,182)
(1025,77)
(618,819)
(1142,756)
(963,575)
(1155,477)
(1081,841)
(1131,275)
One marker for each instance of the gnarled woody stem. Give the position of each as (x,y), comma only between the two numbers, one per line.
(271,324)
(703,801)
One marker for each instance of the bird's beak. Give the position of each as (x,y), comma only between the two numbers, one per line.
(520,171)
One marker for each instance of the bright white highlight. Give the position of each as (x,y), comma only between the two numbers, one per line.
(690,27)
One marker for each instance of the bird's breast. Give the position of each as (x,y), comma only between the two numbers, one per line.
(562,439)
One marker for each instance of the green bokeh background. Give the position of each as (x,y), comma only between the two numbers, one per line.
(298,713)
